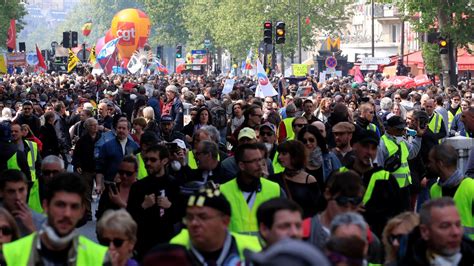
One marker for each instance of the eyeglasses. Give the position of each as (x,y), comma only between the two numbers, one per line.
(266,133)
(259,160)
(118,242)
(345,201)
(6,230)
(151,159)
(124,172)
(300,125)
(49,172)
(308,140)
(392,238)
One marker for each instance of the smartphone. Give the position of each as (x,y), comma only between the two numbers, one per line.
(112,186)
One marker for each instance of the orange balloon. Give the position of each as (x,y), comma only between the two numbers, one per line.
(133,25)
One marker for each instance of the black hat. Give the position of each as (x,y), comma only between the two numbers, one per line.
(212,198)
(396,122)
(364,136)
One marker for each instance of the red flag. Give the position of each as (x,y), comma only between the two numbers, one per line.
(11,39)
(41,62)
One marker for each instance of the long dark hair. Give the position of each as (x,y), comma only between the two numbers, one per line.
(322,144)
(198,115)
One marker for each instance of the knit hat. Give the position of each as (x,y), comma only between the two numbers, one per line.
(210,198)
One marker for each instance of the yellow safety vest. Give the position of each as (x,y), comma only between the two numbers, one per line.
(142,172)
(372,127)
(290,134)
(451,117)
(31,158)
(192,163)
(244,220)
(18,253)
(463,198)
(277,167)
(243,242)
(436,122)
(12,163)
(379,175)
(402,174)
(34,200)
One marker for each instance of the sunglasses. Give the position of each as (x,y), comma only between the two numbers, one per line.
(127,173)
(345,201)
(151,159)
(6,230)
(392,238)
(308,140)
(116,241)
(300,125)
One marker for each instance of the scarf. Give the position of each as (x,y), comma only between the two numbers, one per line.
(454,180)
(236,122)
(316,158)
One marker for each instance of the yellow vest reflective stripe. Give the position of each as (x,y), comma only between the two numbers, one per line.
(243,219)
(31,158)
(435,123)
(192,163)
(277,167)
(379,175)
(12,163)
(18,253)
(290,134)
(34,200)
(243,242)
(463,198)
(402,174)
(372,127)
(142,172)
(451,116)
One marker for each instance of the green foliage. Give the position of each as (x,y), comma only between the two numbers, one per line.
(11,9)
(431,58)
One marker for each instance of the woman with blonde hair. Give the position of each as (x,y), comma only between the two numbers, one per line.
(118,231)
(395,229)
(149,115)
(8,228)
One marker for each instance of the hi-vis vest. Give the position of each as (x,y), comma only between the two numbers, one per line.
(31,158)
(12,163)
(243,242)
(451,117)
(372,127)
(34,200)
(379,175)
(290,134)
(277,167)
(436,122)
(192,163)
(463,198)
(402,174)
(18,253)
(243,219)
(142,172)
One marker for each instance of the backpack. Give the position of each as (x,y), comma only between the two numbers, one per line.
(219,117)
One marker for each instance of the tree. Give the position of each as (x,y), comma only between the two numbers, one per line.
(11,9)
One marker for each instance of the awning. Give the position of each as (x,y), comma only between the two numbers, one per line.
(465,60)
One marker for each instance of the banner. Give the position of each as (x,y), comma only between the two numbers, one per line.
(16,59)
(108,49)
(299,70)
(72,61)
(41,64)
(92,56)
(264,87)
(228,86)
(11,39)
(3,64)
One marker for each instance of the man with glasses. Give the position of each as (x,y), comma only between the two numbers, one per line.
(248,190)
(394,152)
(27,117)
(209,166)
(381,198)
(252,119)
(454,108)
(208,238)
(153,201)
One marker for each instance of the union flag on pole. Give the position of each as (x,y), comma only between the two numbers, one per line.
(11,39)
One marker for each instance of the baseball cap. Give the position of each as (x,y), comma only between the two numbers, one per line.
(396,122)
(365,136)
(343,127)
(200,97)
(247,132)
(208,197)
(268,125)
(166,119)
(172,88)
(180,143)
(288,252)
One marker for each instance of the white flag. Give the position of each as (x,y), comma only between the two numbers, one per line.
(265,87)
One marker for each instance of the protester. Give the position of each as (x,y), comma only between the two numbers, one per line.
(394,231)
(8,227)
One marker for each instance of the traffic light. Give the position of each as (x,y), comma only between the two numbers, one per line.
(442,45)
(280,32)
(159,51)
(267,32)
(179,51)
(74,42)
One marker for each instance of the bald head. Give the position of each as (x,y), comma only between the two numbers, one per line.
(429,106)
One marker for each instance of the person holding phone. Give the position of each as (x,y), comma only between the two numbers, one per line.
(116,192)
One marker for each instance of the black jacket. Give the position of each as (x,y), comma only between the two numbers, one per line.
(83,156)
(7,151)
(50,140)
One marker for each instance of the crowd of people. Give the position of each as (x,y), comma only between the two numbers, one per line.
(352,174)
